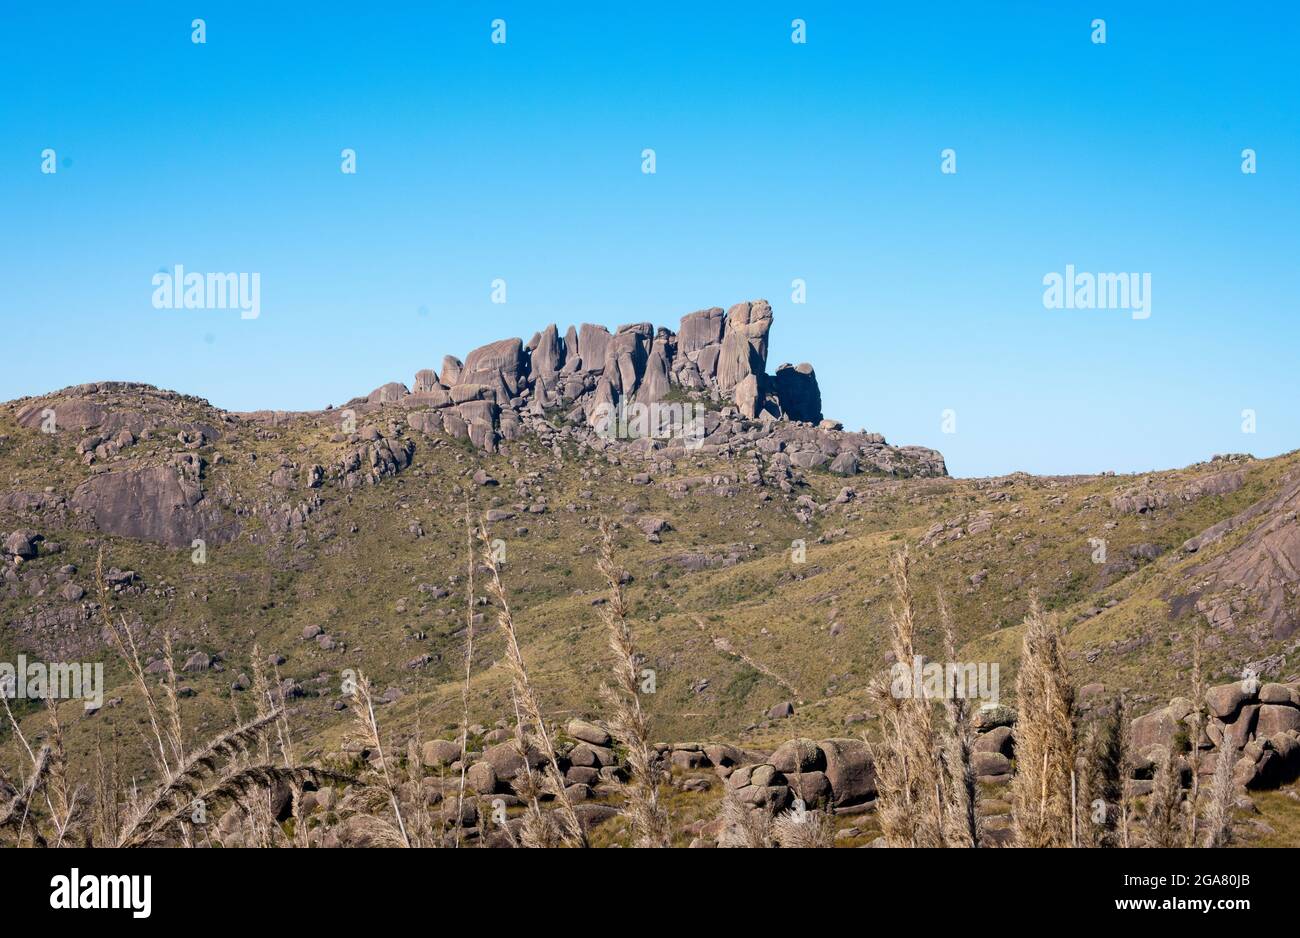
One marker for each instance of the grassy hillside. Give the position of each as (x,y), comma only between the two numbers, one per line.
(369,565)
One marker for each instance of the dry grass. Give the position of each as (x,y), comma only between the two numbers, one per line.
(647,819)
(529,715)
(1044,806)
(1072,786)
(1218,815)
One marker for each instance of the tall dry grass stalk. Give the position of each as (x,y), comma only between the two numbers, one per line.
(1218,813)
(16,813)
(910,776)
(646,817)
(1042,803)
(808,829)
(107,807)
(1194,756)
(62,801)
(123,639)
(1164,827)
(1100,766)
(469,666)
(961,813)
(528,706)
(537,828)
(363,710)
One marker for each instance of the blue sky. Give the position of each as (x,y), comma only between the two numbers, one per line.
(775,161)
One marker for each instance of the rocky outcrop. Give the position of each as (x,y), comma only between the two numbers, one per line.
(1255,585)
(1150,497)
(744,343)
(796,388)
(164,504)
(1255,725)
(592,376)
(500,366)
(109,417)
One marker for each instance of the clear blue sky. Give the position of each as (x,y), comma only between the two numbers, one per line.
(775,161)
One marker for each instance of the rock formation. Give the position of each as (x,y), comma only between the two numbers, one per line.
(587,375)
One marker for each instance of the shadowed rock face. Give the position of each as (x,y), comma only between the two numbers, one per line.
(1261,573)
(796,386)
(164,504)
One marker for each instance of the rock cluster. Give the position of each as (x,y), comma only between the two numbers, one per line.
(833,772)
(571,385)
(1256,725)
(1148,497)
(121,414)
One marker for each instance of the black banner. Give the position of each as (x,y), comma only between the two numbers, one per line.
(139,890)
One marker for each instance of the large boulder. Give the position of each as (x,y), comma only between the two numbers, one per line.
(723,756)
(797,390)
(656,381)
(438,753)
(390,393)
(748,398)
(990,764)
(811,787)
(595,757)
(1239,732)
(744,343)
(798,755)
(22,544)
(481,777)
(498,363)
(999,739)
(451,368)
(1225,700)
(1153,729)
(1276,718)
(626,354)
(548,352)
(506,760)
(987,718)
(1280,694)
(700,329)
(163,504)
(593,345)
(845,464)
(588,732)
(850,770)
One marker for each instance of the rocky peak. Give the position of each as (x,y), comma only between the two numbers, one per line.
(713,353)
(717,360)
